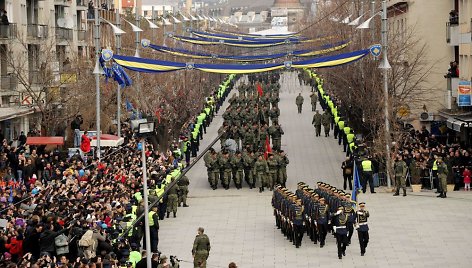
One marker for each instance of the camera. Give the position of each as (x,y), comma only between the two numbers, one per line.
(174,259)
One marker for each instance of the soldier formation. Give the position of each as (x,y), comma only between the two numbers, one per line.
(245,138)
(318,212)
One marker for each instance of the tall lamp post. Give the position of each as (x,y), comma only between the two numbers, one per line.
(145,129)
(385,66)
(97,71)
(118,92)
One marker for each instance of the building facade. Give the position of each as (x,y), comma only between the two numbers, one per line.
(41,35)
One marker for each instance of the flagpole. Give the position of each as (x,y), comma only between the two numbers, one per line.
(97,78)
(118,92)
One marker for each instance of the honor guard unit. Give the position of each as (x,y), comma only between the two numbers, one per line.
(318,212)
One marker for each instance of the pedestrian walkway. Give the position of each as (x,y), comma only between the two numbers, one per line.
(413,231)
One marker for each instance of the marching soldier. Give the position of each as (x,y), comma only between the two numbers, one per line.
(238,169)
(317,118)
(183,184)
(201,249)
(172,199)
(298,221)
(323,217)
(363,228)
(299,102)
(400,169)
(248,161)
(282,164)
(260,171)
(272,175)
(326,120)
(340,226)
(314,100)
(275,131)
(225,169)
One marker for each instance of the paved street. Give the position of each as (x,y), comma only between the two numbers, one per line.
(412,231)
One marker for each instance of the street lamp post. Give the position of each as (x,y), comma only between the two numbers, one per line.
(118,92)
(385,66)
(97,77)
(143,130)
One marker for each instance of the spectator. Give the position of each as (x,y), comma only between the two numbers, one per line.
(466,175)
(85,143)
(4,18)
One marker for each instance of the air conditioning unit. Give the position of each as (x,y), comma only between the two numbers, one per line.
(425,117)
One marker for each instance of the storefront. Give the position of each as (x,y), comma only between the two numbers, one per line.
(13,120)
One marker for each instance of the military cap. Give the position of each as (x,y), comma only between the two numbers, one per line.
(361,203)
(322,199)
(340,207)
(347,194)
(300,183)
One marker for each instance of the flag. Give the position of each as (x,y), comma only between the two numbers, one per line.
(10,198)
(117,75)
(129,106)
(267,148)
(357,184)
(259,90)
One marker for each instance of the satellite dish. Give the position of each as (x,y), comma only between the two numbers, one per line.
(68,23)
(61,22)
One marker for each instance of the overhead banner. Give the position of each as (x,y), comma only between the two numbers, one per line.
(248,44)
(270,36)
(243,38)
(248,58)
(464,94)
(157,66)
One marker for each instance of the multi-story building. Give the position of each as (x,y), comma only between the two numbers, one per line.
(423,18)
(42,36)
(459,40)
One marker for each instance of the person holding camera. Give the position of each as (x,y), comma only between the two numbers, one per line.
(75,126)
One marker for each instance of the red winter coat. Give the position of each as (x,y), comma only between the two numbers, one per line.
(466,175)
(85,144)
(15,247)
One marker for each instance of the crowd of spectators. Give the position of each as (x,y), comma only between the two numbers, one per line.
(57,211)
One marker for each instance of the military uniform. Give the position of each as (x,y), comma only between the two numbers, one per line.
(363,228)
(276,132)
(299,103)
(283,162)
(400,169)
(314,100)
(183,184)
(225,169)
(260,171)
(326,120)
(272,174)
(340,220)
(238,169)
(317,118)
(172,200)
(442,175)
(201,250)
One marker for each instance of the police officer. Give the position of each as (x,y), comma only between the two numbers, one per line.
(363,229)
(400,169)
(367,175)
(154,229)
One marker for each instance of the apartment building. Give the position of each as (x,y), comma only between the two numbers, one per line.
(41,35)
(459,40)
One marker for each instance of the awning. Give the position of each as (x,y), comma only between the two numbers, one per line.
(45,140)
(14,112)
(456,124)
(107,140)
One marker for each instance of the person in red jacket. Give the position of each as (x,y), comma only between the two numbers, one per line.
(466,175)
(15,247)
(85,143)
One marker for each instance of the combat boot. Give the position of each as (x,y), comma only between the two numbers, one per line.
(168,213)
(404,192)
(440,194)
(444,195)
(179,205)
(175,214)
(185,206)
(396,193)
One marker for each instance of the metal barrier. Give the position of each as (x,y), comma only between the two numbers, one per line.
(37,31)
(64,33)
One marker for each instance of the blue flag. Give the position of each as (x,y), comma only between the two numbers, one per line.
(357,184)
(129,106)
(10,198)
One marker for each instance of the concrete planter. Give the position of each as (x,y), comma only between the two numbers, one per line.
(416,188)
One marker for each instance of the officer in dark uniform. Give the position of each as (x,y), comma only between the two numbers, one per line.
(322,221)
(340,226)
(363,230)
(298,222)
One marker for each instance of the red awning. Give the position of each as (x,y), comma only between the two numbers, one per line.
(107,137)
(45,140)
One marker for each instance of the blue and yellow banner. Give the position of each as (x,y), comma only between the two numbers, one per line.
(270,36)
(156,66)
(246,58)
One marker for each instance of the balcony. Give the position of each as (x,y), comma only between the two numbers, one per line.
(37,31)
(65,3)
(452,34)
(8,82)
(8,31)
(64,34)
(109,15)
(81,35)
(34,77)
(81,5)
